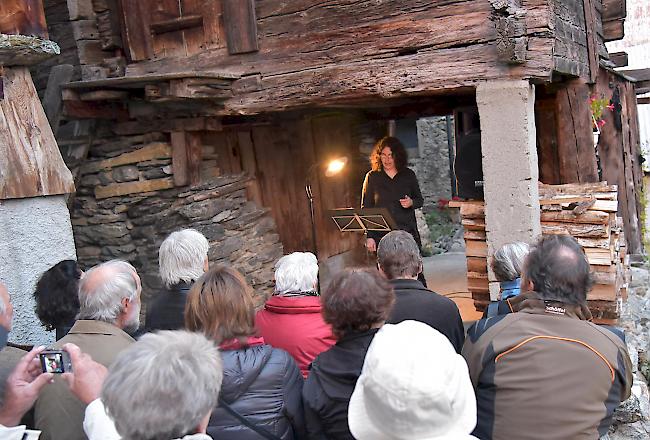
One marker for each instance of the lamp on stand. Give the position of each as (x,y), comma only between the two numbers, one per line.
(332,168)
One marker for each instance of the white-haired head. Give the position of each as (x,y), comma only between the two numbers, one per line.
(163,386)
(102,290)
(296,273)
(508,261)
(182,257)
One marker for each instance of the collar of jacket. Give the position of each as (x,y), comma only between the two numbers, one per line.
(93,327)
(512,284)
(545,307)
(293,305)
(181,287)
(406,284)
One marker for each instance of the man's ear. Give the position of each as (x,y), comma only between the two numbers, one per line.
(381,271)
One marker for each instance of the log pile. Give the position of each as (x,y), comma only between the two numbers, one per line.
(585,211)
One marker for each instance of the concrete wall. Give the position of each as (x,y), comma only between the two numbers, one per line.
(35,234)
(510,168)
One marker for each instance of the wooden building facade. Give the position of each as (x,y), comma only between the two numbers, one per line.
(273,88)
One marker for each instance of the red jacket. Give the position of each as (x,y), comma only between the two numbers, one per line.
(295,324)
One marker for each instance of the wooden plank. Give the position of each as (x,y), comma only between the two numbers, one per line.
(605,205)
(473,224)
(212,35)
(580,188)
(194,156)
(613,30)
(52,101)
(176,24)
(562,199)
(30,161)
(475,248)
(179,158)
(166,125)
(472,210)
(603,293)
(477,264)
(592,45)
(23,17)
(249,165)
(597,217)
(620,59)
(135,29)
(613,9)
(122,189)
(475,235)
(154,150)
(575,230)
(545,122)
(240,25)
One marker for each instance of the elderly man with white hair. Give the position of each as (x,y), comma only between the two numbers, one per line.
(162,387)
(109,297)
(182,258)
(291,319)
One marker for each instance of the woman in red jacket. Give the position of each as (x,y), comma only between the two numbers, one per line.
(291,319)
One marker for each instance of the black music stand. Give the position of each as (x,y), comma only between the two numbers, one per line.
(362,220)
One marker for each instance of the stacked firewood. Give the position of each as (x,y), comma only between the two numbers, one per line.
(585,211)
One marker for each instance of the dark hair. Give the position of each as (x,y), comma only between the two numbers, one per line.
(398,255)
(57,295)
(220,305)
(357,299)
(396,147)
(558,269)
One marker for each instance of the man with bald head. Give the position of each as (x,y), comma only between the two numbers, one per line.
(109,297)
(546,371)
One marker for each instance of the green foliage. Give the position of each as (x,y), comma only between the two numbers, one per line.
(440,225)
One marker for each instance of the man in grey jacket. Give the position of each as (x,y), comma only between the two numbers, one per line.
(544,371)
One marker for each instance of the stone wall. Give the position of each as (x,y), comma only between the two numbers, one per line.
(132,226)
(432,167)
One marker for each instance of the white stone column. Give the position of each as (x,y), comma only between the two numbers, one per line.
(35,234)
(510,169)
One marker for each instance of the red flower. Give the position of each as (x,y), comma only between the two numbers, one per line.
(600,123)
(611,107)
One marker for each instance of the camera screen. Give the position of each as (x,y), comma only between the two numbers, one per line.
(53,362)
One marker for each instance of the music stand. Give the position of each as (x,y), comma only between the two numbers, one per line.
(362,220)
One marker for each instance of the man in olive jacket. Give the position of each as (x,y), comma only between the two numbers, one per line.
(110,307)
(545,372)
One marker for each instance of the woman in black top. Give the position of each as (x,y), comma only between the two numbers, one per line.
(391,185)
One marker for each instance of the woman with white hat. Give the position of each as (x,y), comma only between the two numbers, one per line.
(413,386)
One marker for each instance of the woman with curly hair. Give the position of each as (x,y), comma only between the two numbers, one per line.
(57,297)
(391,185)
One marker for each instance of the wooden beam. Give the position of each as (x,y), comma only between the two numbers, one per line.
(167,125)
(643,100)
(613,30)
(194,156)
(176,24)
(620,59)
(154,150)
(179,158)
(122,189)
(614,9)
(241,25)
(52,99)
(23,17)
(592,44)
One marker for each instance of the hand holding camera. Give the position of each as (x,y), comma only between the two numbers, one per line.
(88,377)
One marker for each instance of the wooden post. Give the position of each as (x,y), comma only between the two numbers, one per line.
(23,17)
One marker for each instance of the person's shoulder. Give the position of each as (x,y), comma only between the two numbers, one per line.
(481,327)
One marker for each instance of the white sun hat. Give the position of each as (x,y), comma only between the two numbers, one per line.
(413,386)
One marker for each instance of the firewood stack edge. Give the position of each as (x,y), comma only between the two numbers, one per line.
(585,211)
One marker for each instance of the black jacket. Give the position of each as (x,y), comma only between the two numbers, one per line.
(380,191)
(329,386)
(414,301)
(166,311)
(263,384)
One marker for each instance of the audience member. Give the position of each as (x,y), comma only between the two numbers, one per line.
(164,386)
(529,368)
(356,304)
(182,258)
(23,384)
(413,386)
(260,394)
(291,319)
(507,264)
(57,297)
(398,257)
(109,297)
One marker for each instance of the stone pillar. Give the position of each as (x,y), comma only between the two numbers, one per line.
(510,169)
(35,234)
